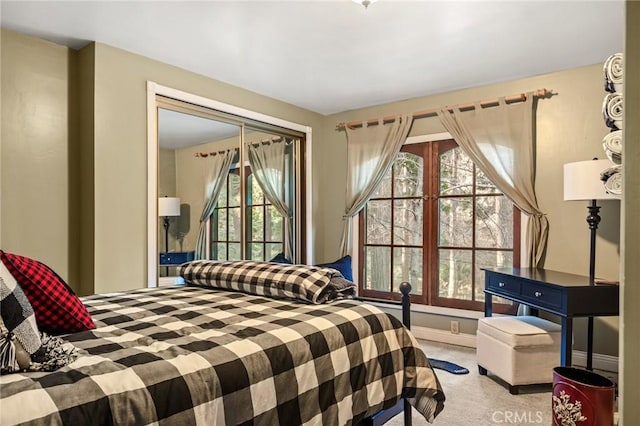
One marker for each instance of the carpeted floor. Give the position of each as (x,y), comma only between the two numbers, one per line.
(481,400)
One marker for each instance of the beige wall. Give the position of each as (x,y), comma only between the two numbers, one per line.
(82,191)
(630,319)
(35,132)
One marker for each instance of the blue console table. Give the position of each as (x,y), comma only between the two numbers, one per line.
(559,293)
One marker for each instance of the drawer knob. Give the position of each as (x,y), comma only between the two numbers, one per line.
(500,284)
(537,294)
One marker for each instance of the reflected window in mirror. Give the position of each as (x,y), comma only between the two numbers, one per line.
(226,227)
(264,222)
(268,214)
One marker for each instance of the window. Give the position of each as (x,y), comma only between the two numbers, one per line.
(435,221)
(225,222)
(265,226)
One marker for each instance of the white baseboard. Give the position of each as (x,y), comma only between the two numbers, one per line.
(600,361)
(444,336)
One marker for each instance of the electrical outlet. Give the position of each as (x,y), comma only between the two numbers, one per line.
(455,327)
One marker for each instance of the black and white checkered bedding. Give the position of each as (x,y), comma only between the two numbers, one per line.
(191,355)
(309,283)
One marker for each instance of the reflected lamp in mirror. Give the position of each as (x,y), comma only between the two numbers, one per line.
(168,207)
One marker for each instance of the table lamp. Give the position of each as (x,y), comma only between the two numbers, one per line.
(167,207)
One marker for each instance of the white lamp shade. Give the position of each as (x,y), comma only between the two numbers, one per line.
(168,206)
(582,180)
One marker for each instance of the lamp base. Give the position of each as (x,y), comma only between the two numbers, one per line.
(166,234)
(593,219)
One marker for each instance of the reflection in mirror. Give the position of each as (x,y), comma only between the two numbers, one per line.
(271,195)
(236,202)
(189,150)
(241,179)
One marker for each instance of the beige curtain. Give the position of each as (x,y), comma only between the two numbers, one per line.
(371,150)
(268,162)
(216,169)
(499,140)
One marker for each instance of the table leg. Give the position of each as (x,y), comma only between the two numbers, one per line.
(590,344)
(488,307)
(566,343)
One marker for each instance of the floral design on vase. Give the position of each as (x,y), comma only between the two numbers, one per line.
(567,413)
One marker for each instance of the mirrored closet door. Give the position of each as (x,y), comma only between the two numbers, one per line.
(228,188)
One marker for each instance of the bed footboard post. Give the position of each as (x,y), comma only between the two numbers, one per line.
(405,289)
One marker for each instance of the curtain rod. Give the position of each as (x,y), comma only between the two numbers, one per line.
(206,154)
(263,141)
(520,97)
(287,140)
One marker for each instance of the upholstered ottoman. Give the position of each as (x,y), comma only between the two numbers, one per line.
(521,350)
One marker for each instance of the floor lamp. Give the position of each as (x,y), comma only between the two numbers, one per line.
(582,183)
(168,207)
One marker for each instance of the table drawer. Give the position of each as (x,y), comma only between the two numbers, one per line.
(502,284)
(542,295)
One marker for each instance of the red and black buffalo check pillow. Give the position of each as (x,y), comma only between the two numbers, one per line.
(57,308)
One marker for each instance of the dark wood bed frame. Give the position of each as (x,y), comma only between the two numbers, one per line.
(382,417)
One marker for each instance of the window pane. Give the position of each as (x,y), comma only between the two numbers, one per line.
(222,198)
(257,251)
(407,221)
(234,190)
(483,184)
(275,224)
(257,196)
(456,222)
(222,225)
(408,170)
(490,259)
(234,251)
(454,274)
(384,189)
(378,222)
(456,173)
(257,223)
(377,268)
(221,252)
(407,266)
(234,224)
(272,250)
(494,222)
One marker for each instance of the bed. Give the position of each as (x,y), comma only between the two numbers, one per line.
(245,350)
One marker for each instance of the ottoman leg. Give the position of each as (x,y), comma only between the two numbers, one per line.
(514,390)
(482,371)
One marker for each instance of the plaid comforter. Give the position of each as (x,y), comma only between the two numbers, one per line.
(192,355)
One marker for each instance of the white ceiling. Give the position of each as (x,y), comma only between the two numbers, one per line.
(333,56)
